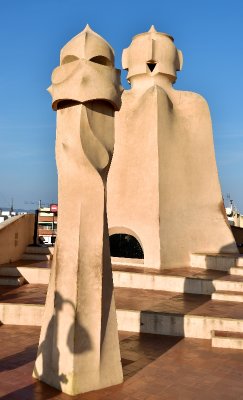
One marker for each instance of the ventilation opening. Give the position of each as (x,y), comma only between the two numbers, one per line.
(69,59)
(125,246)
(64,104)
(151,66)
(101,60)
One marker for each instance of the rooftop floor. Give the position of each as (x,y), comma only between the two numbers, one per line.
(155,368)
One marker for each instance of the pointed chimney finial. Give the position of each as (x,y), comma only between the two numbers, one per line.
(152,29)
(87,28)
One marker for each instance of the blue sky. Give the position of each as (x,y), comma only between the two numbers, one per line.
(32,32)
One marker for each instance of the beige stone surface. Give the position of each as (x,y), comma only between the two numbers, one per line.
(86,72)
(79,347)
(163,185)
(15,234)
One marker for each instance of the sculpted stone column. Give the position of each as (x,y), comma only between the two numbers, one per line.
(163,186)
(79,347)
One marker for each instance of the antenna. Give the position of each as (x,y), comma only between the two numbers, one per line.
(11,208)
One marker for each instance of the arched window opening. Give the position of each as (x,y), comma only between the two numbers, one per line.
(125,246)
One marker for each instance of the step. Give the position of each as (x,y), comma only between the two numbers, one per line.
(239,261)
(180,284)
(21,314)
(231,283)
(162,313)
(161,323)
(173,281)
(39,250)
(135,280)
(220,262)
(128,279)
(12,280)
(227,339)
(236,271)
(224,295)
(35,256)
(139,262)
(6,270)
(35,275)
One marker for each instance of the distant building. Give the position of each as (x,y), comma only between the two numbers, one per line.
(47,225)
(235,218)
(5,214)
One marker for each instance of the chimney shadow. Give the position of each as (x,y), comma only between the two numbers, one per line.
(51,356)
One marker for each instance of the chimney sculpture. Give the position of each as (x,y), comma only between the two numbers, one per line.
(163,185)
(79,348)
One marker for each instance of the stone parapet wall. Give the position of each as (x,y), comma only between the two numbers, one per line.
(15,234)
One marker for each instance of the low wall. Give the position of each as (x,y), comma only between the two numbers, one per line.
(15,234)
